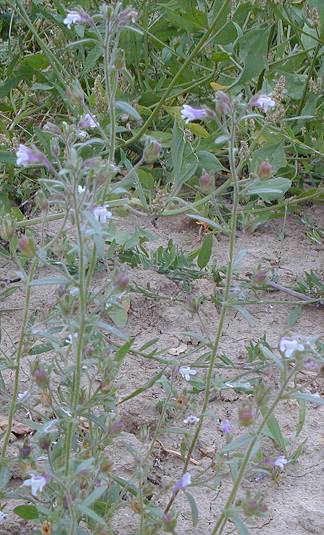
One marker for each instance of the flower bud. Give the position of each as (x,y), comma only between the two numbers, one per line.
(265,170)
(246,414)
(223,103)
(26,449)
(27,246)
(205,181)
(260,276)
(41,377)
(55,147)
(122,280)
(75,94)
(126,16)
(152,150)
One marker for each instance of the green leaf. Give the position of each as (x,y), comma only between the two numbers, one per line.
(91,514)
(27,512)
(205,251)
(35,61)
(193,507)
(301,416)
(269,190)
(307,397)
(294,316)
(237,520)
(208,161)
(125,107)
(253,52)
(8,157)
(49,281)
(274,429)
(184,160)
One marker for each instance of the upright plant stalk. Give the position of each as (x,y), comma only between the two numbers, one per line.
(19,354)
(80,338)
(225,303)
(221,522)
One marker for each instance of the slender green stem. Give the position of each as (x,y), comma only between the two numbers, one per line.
(225,303)
(80,338)
(221,522)
(189,59)
(19,354)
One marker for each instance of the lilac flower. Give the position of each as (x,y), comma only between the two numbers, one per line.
(127,16)
(101,214)
(264,102)
(191,114)
(82,134)
(186,372)
(183,482)
(289,346)
(88,121)
(36,482)
(225,426)
(81,189)
(76,17)
(191,419)
(27,156)
(280,462)
(3,516)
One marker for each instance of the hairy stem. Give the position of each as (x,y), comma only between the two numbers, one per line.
(225,303)
(221,522)
(19,354)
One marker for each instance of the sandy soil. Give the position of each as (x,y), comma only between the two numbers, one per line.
(295,501)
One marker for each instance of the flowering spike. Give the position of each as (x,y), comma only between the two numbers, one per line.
(27,156)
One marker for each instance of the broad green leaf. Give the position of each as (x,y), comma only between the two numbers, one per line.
(269,190)
(205,251)
(125,107)
(8,157)
(253,52)
(184,160)
(208,161)
(27,512)
(198,130)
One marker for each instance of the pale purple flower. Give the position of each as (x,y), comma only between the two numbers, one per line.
(3,516)
(101,214)
(191,420)
(183,482)
(280,462)
(82,134)
(289,346)
(186,372)
(30,156)
(225,426)
(81,189)
(76,17)
(36,482)
(127,16)
(264,102)
(88,121)
(192,114)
